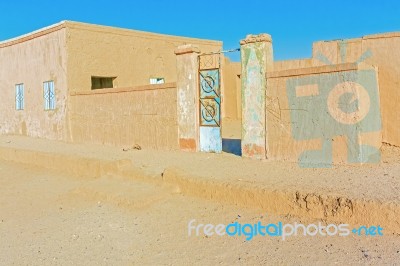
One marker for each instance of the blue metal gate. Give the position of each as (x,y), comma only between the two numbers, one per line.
(210,103)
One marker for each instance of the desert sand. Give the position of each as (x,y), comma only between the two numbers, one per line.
(51,217)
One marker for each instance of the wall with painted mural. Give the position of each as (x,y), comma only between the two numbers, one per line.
(382,51)
(284,105)
(314,115)
(334,107)
(323,115)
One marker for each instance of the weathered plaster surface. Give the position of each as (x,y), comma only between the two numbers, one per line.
(32,60)
(70,53)
(187,97)
(256,57)
(298,112)
(143,115)
(133,57)
(382,51)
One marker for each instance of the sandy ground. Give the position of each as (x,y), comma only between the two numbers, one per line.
(49,218)
(372,181)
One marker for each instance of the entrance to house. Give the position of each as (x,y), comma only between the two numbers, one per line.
(210,103)
(211,132)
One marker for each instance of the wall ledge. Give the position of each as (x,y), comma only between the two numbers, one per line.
(127,89)
(382,35)
(313,70)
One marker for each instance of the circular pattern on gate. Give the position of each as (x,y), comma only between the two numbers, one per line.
(207,84)
(208,113)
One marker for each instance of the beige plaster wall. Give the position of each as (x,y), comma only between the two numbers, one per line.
(32,60)
(385,54)
(231,71)
(231,89)
(144,115)
(132,56)
(336,52)
(292,64)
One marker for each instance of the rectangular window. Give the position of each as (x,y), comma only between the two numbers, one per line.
(49,95)
(19,96)
(102,83)
(157,81)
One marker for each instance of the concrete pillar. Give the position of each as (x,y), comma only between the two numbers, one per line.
(187,98)
(256,59)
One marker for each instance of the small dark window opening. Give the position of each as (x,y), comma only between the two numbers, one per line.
(102,82)
(157,80)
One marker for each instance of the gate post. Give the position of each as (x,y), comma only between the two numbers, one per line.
(256,59)
(187,96)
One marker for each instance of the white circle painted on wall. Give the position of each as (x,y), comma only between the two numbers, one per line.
(358,93)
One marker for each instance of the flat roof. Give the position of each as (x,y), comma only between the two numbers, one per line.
(104,29)
(366,37)
(33,34)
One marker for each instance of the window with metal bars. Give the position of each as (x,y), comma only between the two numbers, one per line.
(19,96)
(49,95)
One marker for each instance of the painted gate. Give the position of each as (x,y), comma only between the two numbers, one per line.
(210,103)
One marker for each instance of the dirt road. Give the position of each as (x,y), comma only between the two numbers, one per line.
(49,218)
